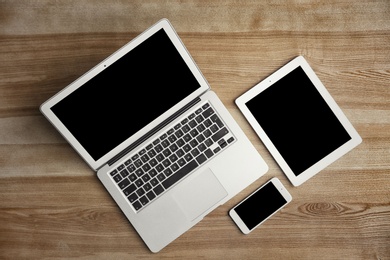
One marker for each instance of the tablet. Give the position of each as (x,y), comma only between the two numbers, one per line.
(298,121)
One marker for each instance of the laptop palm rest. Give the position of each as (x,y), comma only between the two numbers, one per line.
(200,194)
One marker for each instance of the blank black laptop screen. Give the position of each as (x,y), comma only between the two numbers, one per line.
(127,95)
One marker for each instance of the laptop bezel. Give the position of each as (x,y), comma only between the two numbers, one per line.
(96,164)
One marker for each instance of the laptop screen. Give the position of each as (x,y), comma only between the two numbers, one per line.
(127,95)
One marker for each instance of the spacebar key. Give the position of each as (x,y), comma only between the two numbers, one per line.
(180,174)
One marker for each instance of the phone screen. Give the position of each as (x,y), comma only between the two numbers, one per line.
(260,205)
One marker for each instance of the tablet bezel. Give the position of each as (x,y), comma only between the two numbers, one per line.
(325,161)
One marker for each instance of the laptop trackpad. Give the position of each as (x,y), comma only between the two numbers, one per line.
(200,194)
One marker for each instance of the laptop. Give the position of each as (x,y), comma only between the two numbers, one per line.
(162,143)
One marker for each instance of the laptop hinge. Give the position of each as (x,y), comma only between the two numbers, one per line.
(152,132)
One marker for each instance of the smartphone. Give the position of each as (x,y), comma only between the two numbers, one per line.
(260,205)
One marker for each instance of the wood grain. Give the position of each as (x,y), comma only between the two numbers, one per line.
(53,206)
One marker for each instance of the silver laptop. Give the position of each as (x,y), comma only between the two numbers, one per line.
(162,143)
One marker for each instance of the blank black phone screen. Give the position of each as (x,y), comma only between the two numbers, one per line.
(260,205)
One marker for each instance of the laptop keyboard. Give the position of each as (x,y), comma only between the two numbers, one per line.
(149,172)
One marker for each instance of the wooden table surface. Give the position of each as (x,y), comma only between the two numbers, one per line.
(53,206)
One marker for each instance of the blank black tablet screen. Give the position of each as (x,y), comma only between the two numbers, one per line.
(298,121)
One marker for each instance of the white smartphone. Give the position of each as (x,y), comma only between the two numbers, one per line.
(260,205)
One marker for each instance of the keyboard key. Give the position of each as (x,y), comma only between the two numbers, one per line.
(138,163)
(214,128)
(127,163)
(186,128)
(129,189)
(161,177)
(192,123)
(187,148)
(184,121)
(173,148)
(152,173)
(207,133)
(139,172)
(202,147)
(158,190)
(221,133)
(179,133)
(166,163)
(159,167)
(191,116)
(208,142)
(132,177)
(140,192)
(143,200)
(124,173)
(150,195)
(133,197)
(118,178)
(147,187)
(181,162)
(180,174)
(208,112)
(113,172)
(154,182)
(165,143)
(194,132)
(207,123)
(153,162)
(145,158)
(172,138)
(160,157)
(151,153)
(195,152)
(216,120)
(200,138)
(199,119)
(167,152)
(131,168)
(174,167)
(158,148)
(188,157)
(146,177)
(201,158)
(124,183)
(180,153)
(168,172)
(187,137)
(208,153)
(137,205)
(139,183)
(198,111)
(146,167)
(173,158)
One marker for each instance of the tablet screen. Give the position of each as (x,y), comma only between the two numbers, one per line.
(298,120)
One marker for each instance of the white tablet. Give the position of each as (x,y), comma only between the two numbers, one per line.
(298,121)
